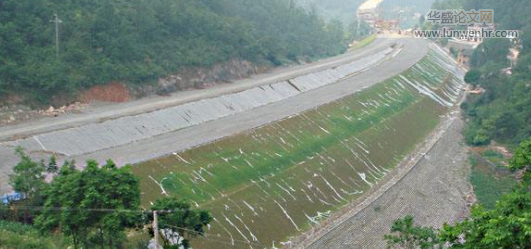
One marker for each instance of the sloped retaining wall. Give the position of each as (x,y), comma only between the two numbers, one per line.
(112,133)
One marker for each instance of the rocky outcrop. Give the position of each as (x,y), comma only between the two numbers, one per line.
(199,77)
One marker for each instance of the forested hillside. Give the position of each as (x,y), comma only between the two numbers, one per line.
(138,41)
(503,112)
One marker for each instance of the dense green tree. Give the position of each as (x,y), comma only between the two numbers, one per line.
(28,176)
(506,226)
(522,161)
(447,4)
(342,10)
(492,51)
(52,167)
(28,179)
(472,76)
(503,112)
(91,206)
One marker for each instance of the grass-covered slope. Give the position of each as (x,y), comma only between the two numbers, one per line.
(489,178)
(275,181)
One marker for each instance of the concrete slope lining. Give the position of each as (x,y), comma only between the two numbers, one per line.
(193,136)
(96,114)
(125,130)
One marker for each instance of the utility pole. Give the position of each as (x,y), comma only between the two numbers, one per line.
(156,229)
(57,21)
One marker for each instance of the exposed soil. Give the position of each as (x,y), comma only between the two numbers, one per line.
(494,147)
(112,92)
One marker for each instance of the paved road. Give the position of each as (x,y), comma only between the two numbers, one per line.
(413,51)
(433,192)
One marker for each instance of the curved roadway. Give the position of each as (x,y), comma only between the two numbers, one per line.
(413,51)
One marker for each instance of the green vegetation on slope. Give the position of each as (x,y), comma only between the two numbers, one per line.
(488,181)
(503,112)
(279,179)
(330,118)
(366,41)
(305,144)
(138,41)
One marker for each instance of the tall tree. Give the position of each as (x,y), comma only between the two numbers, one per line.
(522,160)
(506,226)
(97,203)
(28,176)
